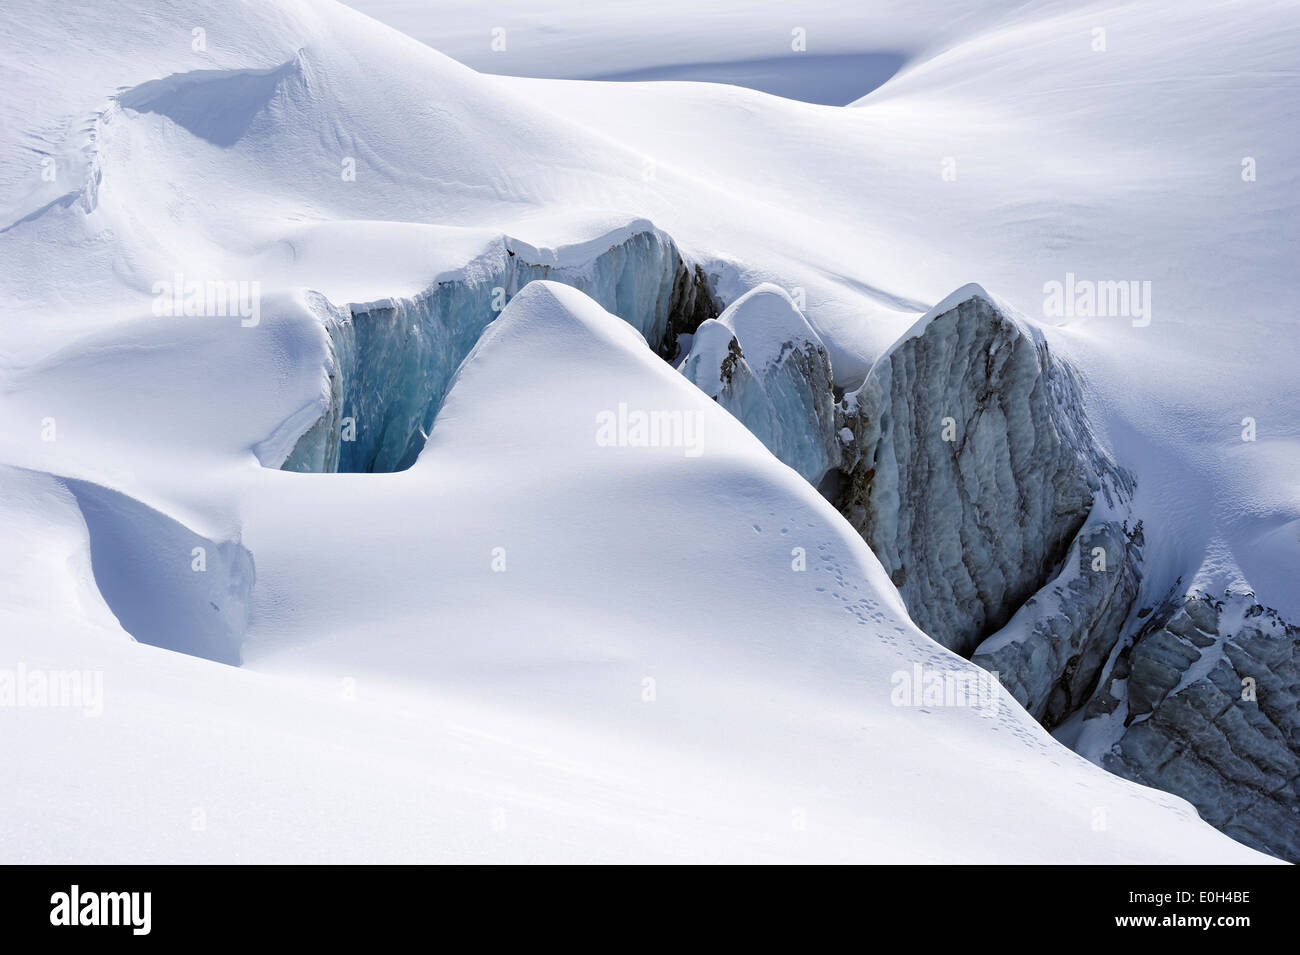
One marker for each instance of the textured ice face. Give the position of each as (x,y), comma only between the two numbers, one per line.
(967,465)
(764,363)
(1049,655)
(974,476)
(1204,701)
(969,471)
(393,362)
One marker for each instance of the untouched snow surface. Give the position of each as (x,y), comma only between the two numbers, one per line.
(546,641)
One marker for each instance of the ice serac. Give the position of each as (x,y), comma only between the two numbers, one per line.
(1050,654)
(971,470)
(765,364)
(1204,701)
(391,361)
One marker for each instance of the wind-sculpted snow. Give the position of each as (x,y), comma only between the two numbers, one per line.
(392,361)
(167,585)
(763,362)
(1204,702)
(215,105)
(615,647)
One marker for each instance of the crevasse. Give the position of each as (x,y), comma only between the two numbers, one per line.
(392,361)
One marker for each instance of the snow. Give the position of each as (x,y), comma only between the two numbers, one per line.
(777,380)
(850,46)
(500,714)
(397,698)
(767,321)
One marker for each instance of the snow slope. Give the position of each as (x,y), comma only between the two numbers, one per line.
(848,47)
(400,699)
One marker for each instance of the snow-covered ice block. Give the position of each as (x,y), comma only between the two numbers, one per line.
(764,363)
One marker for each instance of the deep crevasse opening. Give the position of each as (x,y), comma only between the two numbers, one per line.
(393,361)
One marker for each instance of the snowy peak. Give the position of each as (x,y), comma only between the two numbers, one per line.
(559,317)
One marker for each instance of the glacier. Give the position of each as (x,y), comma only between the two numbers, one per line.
(523,644)
(966,462)
(1015,543)
(391,361)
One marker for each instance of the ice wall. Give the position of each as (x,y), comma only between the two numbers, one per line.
(1204,701)
(970,468)
(392,361)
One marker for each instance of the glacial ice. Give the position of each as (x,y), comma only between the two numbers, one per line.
(971,468)
(1204,701)
(966,462)
(393,360)
(1050,654)
(764,363)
